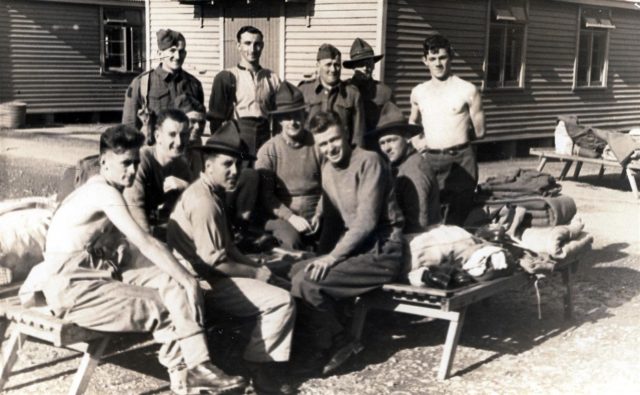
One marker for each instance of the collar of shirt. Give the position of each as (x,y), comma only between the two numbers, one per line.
(214,189)
(304,138)
(253,72)
(410,151)
(340,87)
(166,76)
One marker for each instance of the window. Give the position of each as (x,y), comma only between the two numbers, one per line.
(123,44)
(506,47)
(593,48)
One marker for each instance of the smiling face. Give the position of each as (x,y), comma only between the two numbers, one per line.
(171,138)
(197,121)
(222,170)
(439,63)
(173,57)
(250,47)
(329,70)
(394,146)
(119,169)
(291,123)
(332,144)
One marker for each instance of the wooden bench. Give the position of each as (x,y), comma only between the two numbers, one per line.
(26,323)
(449,305)
(545,153)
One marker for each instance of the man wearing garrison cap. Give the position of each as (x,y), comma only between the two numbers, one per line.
(374,93)
(163,84)
(328,93)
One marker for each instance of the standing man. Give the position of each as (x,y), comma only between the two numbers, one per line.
(198,231)
(162,175)
(163,84)
(450,110)
(328,93)
(359,187)
(245,92)
(416,184)
(374,93)
(91,281)
(289,170)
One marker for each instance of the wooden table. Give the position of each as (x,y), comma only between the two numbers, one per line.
(449,305)
(548,153)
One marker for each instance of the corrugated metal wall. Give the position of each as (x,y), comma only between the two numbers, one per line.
(551,47)
(51,58)
(202,33)
(333,21)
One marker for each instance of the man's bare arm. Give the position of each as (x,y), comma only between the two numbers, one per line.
(414,117)
(110,201)
(477,114)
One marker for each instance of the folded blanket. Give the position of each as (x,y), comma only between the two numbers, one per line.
(558,241)
(439,244)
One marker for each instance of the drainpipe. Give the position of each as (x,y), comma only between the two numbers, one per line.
(147,33)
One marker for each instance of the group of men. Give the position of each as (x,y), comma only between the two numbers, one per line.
(148,241)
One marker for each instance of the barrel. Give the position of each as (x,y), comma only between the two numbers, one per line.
(13,114)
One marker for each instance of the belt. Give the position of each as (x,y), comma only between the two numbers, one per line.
(451,150)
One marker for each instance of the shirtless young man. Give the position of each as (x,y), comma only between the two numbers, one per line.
(93,280)
(448,107)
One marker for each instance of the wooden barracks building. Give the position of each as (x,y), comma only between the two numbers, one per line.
(533,59)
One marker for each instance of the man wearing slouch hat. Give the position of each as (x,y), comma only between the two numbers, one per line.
(162,84)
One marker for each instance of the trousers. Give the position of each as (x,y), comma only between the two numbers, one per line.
(87,292)
(273,308)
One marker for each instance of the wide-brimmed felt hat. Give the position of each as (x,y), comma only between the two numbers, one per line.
(288,99)
(392,121)
(360,51)
(226,140)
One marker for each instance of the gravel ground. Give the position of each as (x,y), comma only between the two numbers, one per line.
(504,347)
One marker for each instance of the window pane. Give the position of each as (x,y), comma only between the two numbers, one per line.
(597,57)
(513,58)
(583,58)
(137,46)
(114,47)
(496,38)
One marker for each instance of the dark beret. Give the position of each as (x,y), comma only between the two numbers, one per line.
(328,51)
(167,38)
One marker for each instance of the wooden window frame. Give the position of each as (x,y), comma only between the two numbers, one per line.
(104,69)
(523,53)
(603,84)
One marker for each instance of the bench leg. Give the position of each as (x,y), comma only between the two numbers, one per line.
(543,161)
(450,345)
(565,169)
(631,176)
(90,359)
(10,355)
(359,316)
(567,281)
(576,171)
(601,171)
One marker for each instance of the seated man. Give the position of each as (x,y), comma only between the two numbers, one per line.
(417,188)
(198,231)
(94,284)
(359,187)
(196,113)
(163,173)
(290,173)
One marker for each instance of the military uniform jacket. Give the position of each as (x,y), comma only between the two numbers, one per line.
(164,87)
(344,99)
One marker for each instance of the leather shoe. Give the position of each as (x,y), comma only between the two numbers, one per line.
(266,379)
(206,378)
(343,350)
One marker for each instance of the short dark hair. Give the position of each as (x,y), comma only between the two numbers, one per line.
(158,119)
(249,29)
(435,42)
(120,138)
(323,121)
